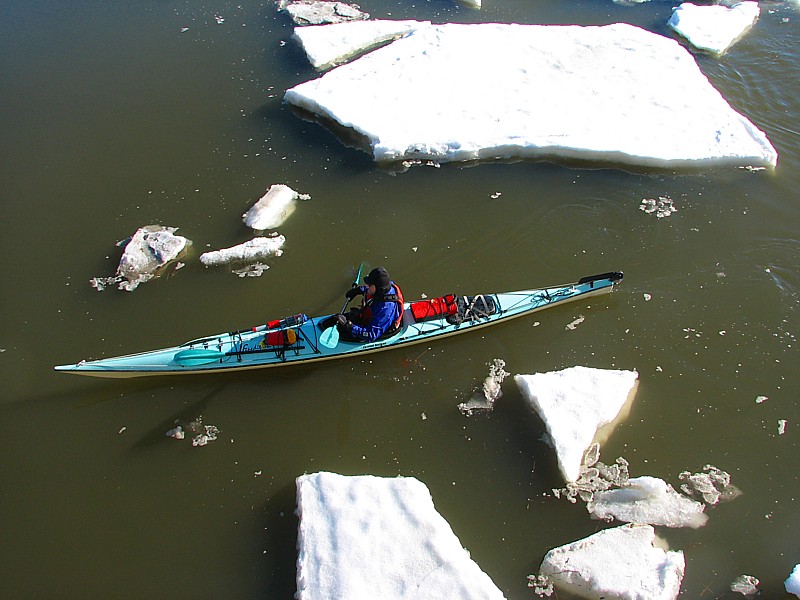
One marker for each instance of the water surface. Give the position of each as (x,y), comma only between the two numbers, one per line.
(114,118)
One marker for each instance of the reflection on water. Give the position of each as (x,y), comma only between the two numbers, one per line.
(119,116)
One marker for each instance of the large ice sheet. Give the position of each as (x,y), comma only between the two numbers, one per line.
(714,27)
(575,404)
(466,92)
(374,537)
(620,563)
(328,45)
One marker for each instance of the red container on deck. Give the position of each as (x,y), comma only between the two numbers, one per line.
(434,308)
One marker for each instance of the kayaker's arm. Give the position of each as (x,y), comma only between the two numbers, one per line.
(383,317)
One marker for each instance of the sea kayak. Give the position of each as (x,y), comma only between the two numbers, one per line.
(299,339)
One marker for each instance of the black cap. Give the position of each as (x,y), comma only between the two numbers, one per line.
(379,278)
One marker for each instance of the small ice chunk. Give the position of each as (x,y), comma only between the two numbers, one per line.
(575,404)
(781,426)
(252,250)
(317,12)
(471,3)
(647,500)
(574,325)
(760,399)
(328,45)
(711,485)
(176,433)
(792,583)
(747,585)
(662,207)
(148,251)
(273,208)
(622,562)
(379,537)
(714,27)
(483,400)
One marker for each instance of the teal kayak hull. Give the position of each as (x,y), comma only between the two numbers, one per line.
(251,348)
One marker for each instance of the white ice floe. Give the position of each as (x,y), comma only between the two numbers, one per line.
(375,537)
(714,27)
(621,563)
(577,405)
(317,12)
(273,208)
(647,500)
(472,92)
(252,250)
(149,250)
(792,583)
(328,45)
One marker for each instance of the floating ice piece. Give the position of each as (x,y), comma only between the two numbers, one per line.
(578,405)
(622,563)
(273,208)
(792,583)
(574,325)
(374,537)
(711,486)
(252,250)
(483,401)
(328,45)
(317,12)
(146,252)
(471,3)
(613,93)
(781,426)
(647,500)
(663,207)
(714,27)
(176,433)
(746,585)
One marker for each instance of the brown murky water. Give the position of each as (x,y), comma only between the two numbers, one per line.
(114,118)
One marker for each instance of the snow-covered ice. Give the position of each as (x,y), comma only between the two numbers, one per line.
(273,208)
(621,563)
(578,406)
(316,12)
(328,45)
(376,537)
(149,249)
(792,583)
(470,92)
(647,500)
(714,27)
(251,250)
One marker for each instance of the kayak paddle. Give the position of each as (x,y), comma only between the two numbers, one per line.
(330,337)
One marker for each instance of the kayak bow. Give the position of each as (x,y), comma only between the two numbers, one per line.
(297,340)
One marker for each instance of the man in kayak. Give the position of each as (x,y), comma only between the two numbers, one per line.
(380,313)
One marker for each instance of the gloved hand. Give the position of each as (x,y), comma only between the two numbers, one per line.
(353,292)
(344,325)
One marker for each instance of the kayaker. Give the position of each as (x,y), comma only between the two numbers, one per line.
(380,313)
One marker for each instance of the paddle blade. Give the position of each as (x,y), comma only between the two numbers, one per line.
(330,337)
(197,356)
